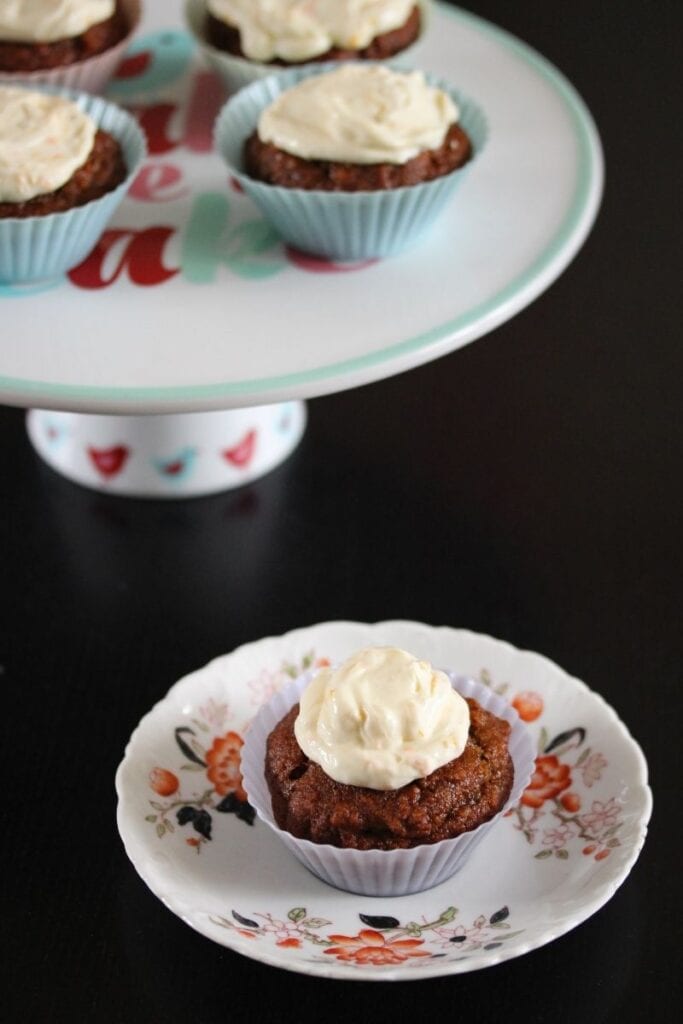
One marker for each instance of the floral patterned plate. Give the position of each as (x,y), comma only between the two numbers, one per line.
(543,869)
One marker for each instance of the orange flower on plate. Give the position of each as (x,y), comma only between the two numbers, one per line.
(528,705)
(371,947)
(223,762)
(289,943)
(549,780)
(163,782)
(571,802)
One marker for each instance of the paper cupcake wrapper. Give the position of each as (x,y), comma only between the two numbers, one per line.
(381,872)
(341,226)
(91,75)
(40,248)
(238,72)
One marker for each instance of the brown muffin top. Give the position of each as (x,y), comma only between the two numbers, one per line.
(103,171)
(455,798)
(26,56)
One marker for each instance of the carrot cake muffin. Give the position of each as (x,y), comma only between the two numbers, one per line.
(382,754)
(357,128)
(52,156)
(284,32)
(37,35)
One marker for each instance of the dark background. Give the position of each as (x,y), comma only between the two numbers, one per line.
(527,486)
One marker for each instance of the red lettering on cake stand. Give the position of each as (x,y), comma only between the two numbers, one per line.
(141,255)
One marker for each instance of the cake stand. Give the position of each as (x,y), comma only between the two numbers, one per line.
(191,305)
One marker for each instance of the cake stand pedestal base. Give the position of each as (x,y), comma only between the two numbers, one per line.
(170,455)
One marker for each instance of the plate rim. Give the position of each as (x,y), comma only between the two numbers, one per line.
(333,970)
(401,355)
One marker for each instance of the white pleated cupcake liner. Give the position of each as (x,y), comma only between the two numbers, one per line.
(91,75)
(344,226)
(238,72)
(41,248)
(381,872)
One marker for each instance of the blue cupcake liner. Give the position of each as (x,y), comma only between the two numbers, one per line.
(40,248)
(239,72)
(342,226)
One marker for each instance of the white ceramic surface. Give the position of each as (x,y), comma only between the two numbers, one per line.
(539,872)
(172,456)
(197,304)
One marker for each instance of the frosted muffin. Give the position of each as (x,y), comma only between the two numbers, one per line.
(380,733)
(53,157)
(66,160)
(384,754)
(355,166)
(357,128)
(37,35)
(286,32)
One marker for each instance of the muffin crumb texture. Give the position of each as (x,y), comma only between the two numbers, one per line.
(456,798)
(268,163)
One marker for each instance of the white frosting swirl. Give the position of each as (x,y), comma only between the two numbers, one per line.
(381,720)
(296,30)
(45,21)
(43,140)
(359,114)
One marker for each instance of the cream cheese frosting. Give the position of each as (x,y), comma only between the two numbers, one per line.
(381,720)
(360,114)
(45,21)
(43,140)
(297,30)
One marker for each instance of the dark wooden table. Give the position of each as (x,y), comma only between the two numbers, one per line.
(527,486)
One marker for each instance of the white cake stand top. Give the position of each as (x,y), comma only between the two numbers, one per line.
(190,303)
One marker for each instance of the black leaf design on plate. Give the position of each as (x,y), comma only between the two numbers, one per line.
(185,747)
(231,805)
(564,737)
(493,945)
(186,814)
(379,921)
(458,938)
(246,813)
(228,804)
(499,915)
(202,824)
(246,921)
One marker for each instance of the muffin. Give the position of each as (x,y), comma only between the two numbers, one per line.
(52,155)
(390,130)
(74,43)
(451,800)
(246,40)
(288,32)
(40,34)
(367,696)
(362,183)
(65,162)
(383,775)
